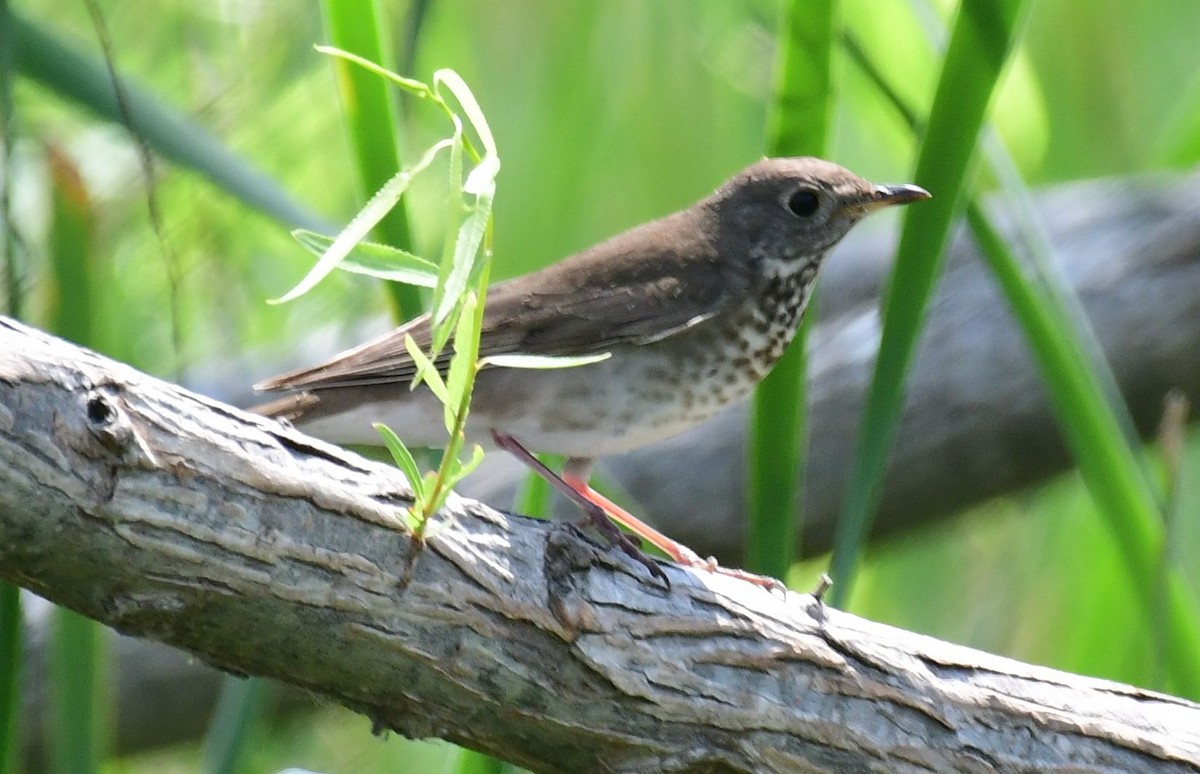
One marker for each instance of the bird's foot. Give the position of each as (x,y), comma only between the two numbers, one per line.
(595,511)
(689,558)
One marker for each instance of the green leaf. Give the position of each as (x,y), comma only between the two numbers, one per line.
(984,33)
(362,223)
(464,469)
(798,125)
(445,301)
(482,179)
(542,361)
(375,260)
(11,658)
(414,520)
(426,371)
(79,686)
(471,464)
(464,265)
(404,459)
(410,85)
(242,707)
(456,208)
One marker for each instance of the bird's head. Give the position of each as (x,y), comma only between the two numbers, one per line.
(788,209)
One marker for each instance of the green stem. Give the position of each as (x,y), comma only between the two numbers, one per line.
(798,125)
(78,678)
(10,675)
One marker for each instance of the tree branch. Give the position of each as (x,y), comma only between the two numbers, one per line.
(262,551)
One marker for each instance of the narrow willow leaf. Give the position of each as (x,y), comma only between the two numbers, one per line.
(464,264)
(456,207)
(542,361)
(375,260)
(426,371)
(467,467)
(410,85)
(358,228)
(404,460)
(482,179)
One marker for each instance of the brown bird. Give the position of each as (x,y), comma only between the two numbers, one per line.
(694,309)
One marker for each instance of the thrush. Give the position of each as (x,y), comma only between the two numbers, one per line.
(693,308)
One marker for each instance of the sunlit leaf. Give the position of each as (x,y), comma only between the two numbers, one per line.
(467,467)
(404,459)
(358,228)
(410,85)
(464,265)
(542,361)
(445,300)
(482,179)
(426,371)
(375,260)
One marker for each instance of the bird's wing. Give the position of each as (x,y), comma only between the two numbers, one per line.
(645,285)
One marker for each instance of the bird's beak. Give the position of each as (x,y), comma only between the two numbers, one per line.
(887,196)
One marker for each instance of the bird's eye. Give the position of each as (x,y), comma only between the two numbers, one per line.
(803,202)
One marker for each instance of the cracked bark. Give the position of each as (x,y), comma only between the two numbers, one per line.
(170,516)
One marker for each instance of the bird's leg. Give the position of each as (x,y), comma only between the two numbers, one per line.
(574,484)
(594,511)
(576,474)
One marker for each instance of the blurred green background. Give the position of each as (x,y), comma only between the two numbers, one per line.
(607,113)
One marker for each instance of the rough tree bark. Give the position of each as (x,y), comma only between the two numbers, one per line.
(262,551)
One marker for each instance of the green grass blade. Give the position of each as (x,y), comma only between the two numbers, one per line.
(1091,423)
(982,37)
(370,113)
(11,670)
(534,496)
(240,708)
(471,762)
(80,713)
(85,80)
(13,270)
(1038,259)
(72,259)
(1106,461)
(11,661)
(79,718)
(799,125)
